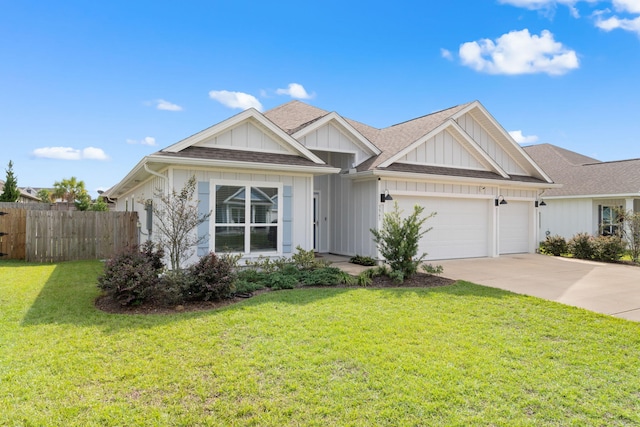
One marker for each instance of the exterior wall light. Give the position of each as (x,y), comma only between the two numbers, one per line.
(385,196)
(500,200)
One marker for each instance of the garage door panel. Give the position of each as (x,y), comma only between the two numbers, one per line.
(460,228)
(515,223)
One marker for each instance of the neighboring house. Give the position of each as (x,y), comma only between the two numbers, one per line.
(25,195)
(590,192)
(322,181)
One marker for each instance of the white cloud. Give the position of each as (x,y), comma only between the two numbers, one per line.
(630,6)
(295,90)
(68,153)
(162,104)
(239,100)
(614,22)
(522,139)
(93,153)
(147,140)
(446,54)
(628,23)
(549,6)
(519,52)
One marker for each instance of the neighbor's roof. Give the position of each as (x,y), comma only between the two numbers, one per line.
(585,176)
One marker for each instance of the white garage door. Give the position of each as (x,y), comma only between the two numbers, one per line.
(460,227)
(515,226)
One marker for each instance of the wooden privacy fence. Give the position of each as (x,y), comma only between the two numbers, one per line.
(13,228)
(53,236)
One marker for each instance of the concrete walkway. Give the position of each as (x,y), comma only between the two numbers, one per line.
(612,289)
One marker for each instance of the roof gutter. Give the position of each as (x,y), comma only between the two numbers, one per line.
(175,161)
(447,178)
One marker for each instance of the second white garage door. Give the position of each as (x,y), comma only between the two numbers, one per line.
(461,227)
(515,226)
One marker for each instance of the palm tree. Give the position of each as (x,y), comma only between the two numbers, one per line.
(70,189)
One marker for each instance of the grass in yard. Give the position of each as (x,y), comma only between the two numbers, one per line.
(459,355)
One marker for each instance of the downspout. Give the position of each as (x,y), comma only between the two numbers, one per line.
(152,172)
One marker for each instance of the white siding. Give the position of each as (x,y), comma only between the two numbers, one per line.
(246,135)
(489,145)
(442,150)
(302,187)
(330,139)
(567,217)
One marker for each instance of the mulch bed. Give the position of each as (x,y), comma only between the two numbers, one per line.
(419,280)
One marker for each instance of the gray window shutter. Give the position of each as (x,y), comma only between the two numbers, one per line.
(203,209)
(287,219)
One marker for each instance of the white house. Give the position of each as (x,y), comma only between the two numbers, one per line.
(322,181)
(590,192)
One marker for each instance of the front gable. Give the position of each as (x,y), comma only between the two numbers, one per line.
(334,134)
(247,135)
(247,131)
(442,149)
(448,145)
(470,139)
(476,121)
(490,145)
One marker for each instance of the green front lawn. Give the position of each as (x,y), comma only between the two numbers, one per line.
(461,355)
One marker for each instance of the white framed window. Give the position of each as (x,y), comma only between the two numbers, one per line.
(609,220)
(247,217)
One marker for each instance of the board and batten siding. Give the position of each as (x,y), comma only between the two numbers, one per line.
(347,209)
(567,217)
(329,138)
(301,187)
(245,135)
(489,145)
(443,150)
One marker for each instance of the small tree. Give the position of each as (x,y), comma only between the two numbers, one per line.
(398,240)
(630,231)
(10,192)
(44,195)
(176,217)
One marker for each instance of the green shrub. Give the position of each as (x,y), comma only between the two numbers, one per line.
(249,280)
(328,276)
(608,248)
(432,269)
(306,260)
(172,288)
(266,264)
(363,260)
(581,246)
(398,241)
(277,281)
(554,245)
(365,278)
(132,276)
(397,276)
(213,278)
(245,287)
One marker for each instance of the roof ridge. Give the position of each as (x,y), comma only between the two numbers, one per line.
(430,114)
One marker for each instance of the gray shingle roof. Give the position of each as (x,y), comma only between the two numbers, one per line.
(295,115)
(468,173)
(582,175)
(240,156)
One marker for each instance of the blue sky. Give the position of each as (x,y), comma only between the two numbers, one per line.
(89,88)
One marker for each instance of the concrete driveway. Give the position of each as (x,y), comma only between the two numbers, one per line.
(612,289)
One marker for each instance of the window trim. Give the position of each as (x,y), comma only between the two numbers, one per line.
(279,186)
